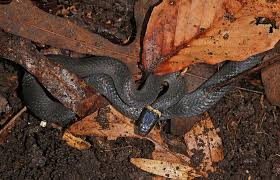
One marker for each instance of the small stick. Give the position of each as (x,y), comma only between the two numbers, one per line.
(196,76)
(4,132)
(237,87)
(249,90)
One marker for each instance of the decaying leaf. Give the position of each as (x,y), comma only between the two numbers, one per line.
(204,149)
(204,145)
(165,169)
(75,142)
(121,126)
(182,32)
(270,79)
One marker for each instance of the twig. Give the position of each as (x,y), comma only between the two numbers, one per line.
(4,132)
(237,87)
(119,148)
(194,75)
(249,90)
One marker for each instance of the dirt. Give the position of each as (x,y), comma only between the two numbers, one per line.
(250,129)
(34,152)
(248,125)
(112,19)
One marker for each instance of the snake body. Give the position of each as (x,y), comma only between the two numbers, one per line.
(201,99)
(119,73)
(111,78)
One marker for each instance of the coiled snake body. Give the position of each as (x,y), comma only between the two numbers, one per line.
(111,78)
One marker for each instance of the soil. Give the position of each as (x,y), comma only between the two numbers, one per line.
(34,152)
(112,19)
(249,127)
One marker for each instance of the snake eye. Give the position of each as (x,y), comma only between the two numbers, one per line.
(146,121)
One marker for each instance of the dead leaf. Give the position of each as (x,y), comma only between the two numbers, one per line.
(48,29)
(121,126)
(180,126)
(270,79)
(165,154)
(45,28)
(75,142)
(158,178)
(165,169)
(180,33)
(76,94)
(203,140)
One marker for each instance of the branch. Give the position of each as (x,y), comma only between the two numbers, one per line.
(71,91)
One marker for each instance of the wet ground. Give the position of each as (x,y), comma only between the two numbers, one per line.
(249,126)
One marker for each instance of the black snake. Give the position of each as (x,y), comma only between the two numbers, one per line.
(147,105)
(112,79)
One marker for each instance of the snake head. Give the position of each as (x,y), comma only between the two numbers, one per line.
(146,121)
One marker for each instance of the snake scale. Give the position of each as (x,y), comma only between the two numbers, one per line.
(111,78)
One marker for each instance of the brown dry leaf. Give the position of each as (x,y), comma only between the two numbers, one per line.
(203,145)
(121,126)
(158,178)
(184,32)
(270,79)
(48,29)
(75,142)
(270,76)
(203,140)
(165,169)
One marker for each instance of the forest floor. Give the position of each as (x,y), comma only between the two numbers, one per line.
(248,125)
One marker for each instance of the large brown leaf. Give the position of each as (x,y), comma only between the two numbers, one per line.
(183,32)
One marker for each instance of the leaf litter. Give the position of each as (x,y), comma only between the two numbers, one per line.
(202,138)
(160,146)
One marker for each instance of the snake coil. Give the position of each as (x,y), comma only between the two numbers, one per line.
(111,78)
